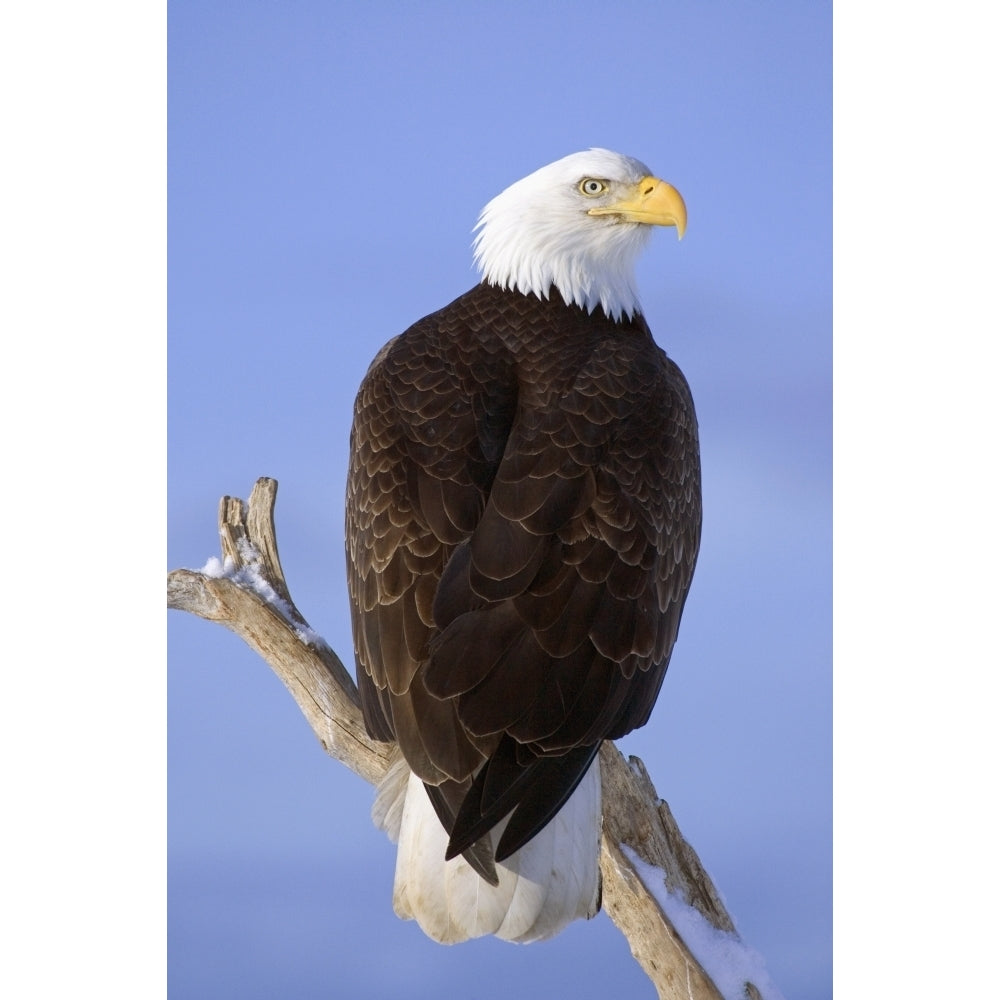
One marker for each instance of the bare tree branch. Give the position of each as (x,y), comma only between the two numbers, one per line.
(248,594)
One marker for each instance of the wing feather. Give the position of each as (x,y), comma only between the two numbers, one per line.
(523,519)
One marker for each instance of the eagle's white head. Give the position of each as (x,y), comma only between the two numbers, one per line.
(578,224)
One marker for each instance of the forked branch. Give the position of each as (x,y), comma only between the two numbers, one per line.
(641,844)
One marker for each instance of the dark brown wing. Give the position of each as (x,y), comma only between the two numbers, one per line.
(523,520)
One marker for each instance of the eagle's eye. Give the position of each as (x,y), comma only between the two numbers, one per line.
(590,186)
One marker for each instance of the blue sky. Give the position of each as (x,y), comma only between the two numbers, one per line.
(326,166)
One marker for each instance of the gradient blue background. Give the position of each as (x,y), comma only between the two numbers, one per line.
(326,165)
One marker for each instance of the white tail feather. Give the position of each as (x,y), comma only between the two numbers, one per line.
(551,881)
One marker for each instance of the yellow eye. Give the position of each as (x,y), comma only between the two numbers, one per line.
(590,186)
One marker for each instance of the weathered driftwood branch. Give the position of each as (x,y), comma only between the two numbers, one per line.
(247,593)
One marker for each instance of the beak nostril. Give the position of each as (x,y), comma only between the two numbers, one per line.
(648,190)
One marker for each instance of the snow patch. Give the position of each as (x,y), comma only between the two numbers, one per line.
(248,576)
(728,961)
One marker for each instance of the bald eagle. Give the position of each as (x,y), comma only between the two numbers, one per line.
(523,519)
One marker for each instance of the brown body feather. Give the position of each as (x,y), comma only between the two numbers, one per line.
(523,519)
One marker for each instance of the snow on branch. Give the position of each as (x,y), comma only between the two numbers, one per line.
(654,887)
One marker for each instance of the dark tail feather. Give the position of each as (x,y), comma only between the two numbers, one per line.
(535,792)
(480,853)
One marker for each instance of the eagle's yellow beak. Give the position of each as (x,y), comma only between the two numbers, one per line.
(652,202)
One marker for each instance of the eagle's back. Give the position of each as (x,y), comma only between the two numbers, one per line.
(523,519)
